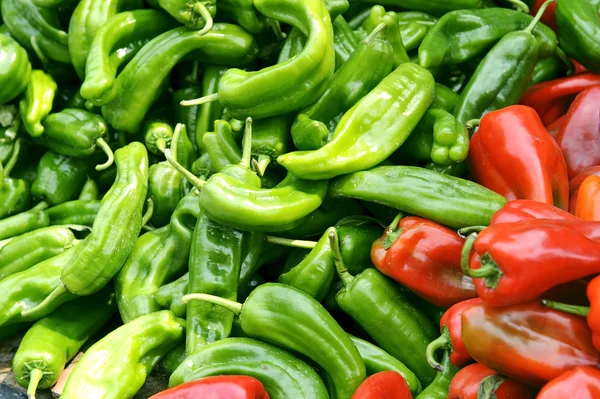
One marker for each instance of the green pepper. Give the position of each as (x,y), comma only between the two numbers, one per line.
(209,112)
(355,244)
(195,14)
(345,41)
(270,138)
(123,29)
(14,193)
(31,248)
(367,67)
(441,198)
(54,3)
(77,212)
(15,67)
(89,191)
(59,178)
(68,97)
(163,187)
(169,295)
(244,13)
(445,98)
(24,222)
(412,35)
(187,115)
(547,69)
(440,386)
(392,31)
(285,376)
(372,130)
(462,35)
(202,167)
(117,366)
(435,7)
(221,146)
(294,43)
(37,102)
(578,28)
(421,18)
(55,340)
(375,302)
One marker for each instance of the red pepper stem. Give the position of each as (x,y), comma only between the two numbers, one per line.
(563,307)
(488,270)
(107,150)
(489,385)
(538,16)
(12,161)
(472,124)
(519,6)
(247,145)
(334,244)
(443,342)
(200,8)
(396,220)
(466,231)
(149,211)
(35,376)
(199,101)
(233,306)
(287,242)
(566,60)
(196,182)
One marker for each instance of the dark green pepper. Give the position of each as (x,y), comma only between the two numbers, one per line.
(440,386)
(59,178)
(163,187)
(77,212)
(270,138)
(355,244)
(578,29)
(244,13)
(221,146)
(37,102)
(208,113)
(14,193)
(15,67)
(90,191)
(547,69)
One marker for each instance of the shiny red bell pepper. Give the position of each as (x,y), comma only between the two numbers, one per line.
(575,183)
(548,18)
(554,127)
(579,383)
(383,385)
(579,137)
(513,155)
(451,336)
(527,342)
(588,199)
(515,211)
(425,257)
(479,382)
(217,387)
(551,99)
(517,262)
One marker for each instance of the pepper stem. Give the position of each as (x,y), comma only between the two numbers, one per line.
(472,124)
(247,145)
(149,211)
(106,149)
(261,164)
(38,51)
(563,307)
(334,244)
(202,100)
(276,26)
(175,140)
(466,231)
(58,291)
(443,342)
(200,8)
(489,385)
(378,29)
(566,60)
(35,376)
(287,242)
(40,206)
(196,182)
(12,161)
(519,5)
(233,306)
(538,16)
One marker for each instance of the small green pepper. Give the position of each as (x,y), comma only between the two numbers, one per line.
(270,138)
(208,113)
(412,35)
(37,102)
(345,41)
(15,67)
(77,212)
(59,178)
(195,14)
(392,31)
(89,191)
(245,14)
(163,187)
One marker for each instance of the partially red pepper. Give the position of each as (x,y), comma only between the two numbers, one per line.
(579,383)
(425,257)
(527,342)
(383,385)
(218,387)
(479,382)
(513,154)
(517,262)
(451,336)
(588,199)
(548,18)
(575,183)
(515,211)
(579,137)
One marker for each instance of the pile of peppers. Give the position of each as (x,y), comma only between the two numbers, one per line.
(303,199)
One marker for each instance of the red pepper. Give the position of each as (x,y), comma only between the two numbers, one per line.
(588,199)
(518,210)
(579,137)
(554,127)
(425,257)
(575,183)
(513,155)
(479,382)
(548,18)
(551,99)
(578,67)
(383,385)
(218,387)
(451,338)
(527,342)
(517,262)
(579,383)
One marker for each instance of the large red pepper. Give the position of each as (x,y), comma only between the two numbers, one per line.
(579,137)
(513,154)
(517,262)
(548,18)
(551,99)
(218,387)
(588,199)
(479,382)
(515,211)
(527,342)
(425,257)
(579,383)
(383,385)
(451,338)
(575,183)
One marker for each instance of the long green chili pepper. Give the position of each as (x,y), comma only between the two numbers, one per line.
(345,41)
(37,102)
(194,14)
(24,222)
(245,14)
(209,112)
(77,212)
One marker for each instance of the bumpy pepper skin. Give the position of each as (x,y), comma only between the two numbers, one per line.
(37,102)
(581,382)
(139,84)
(15,69)
(579,26)
(451,201)
(372,129)
(386,384)
(55,340)
(246,94)
(79,212)
(514,139)
(527,342)
(59,178)
(116,366)
(476,378)
(232,387)
(285,377)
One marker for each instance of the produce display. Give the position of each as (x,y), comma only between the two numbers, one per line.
(301,199)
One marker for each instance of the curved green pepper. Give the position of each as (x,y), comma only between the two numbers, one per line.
(245,14)
(547,69)
(578,29)
(163,188)
(392,31)
(345,41)
(15,69)
(221,146)
(59,178)
(440,386)
(77,212)
(285,377)
(209,112)
(24,222)
(37,102)
(187,115)
(270,138)
(412,35)
(90,191)
(194,14)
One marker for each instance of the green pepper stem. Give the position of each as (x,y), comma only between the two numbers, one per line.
(443,342)
(472,124)
(247,145)
(77,227)
(195,68)
(58,291)
(276,26)
(334,244)
(466,253)
(12,161)
(196,182)
(378,29)
(261,164)
(149,211)
(538,16)
(35,376)
(40,206)
(466,231)
(287,242)
(489,385)
(175,140)
(38,51)
(106,148)
(519,6)
(566,60)
(200,8)
(199,101)
(489,269)
(233,306)
(563,307)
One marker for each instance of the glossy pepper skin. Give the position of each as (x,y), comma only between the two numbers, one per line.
(424,257)
(527,342)
(79,212)
(24,222)
(588,197)
(358,142)
(218,387)
(15,67)
(345,41)
(547,69)
(436,7)
(440,386)
(286,376)
(386,384)
(476,380)
(581,382)
(221,146)
(15,194)
(117,365)
(163,187)
(245,14)
(391,33)
(209,112)
(578,27)
(579,135)
(514,138)
(59,178)
(53,341)
(270,139)
(518,210)
(196,14)
(37,102)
